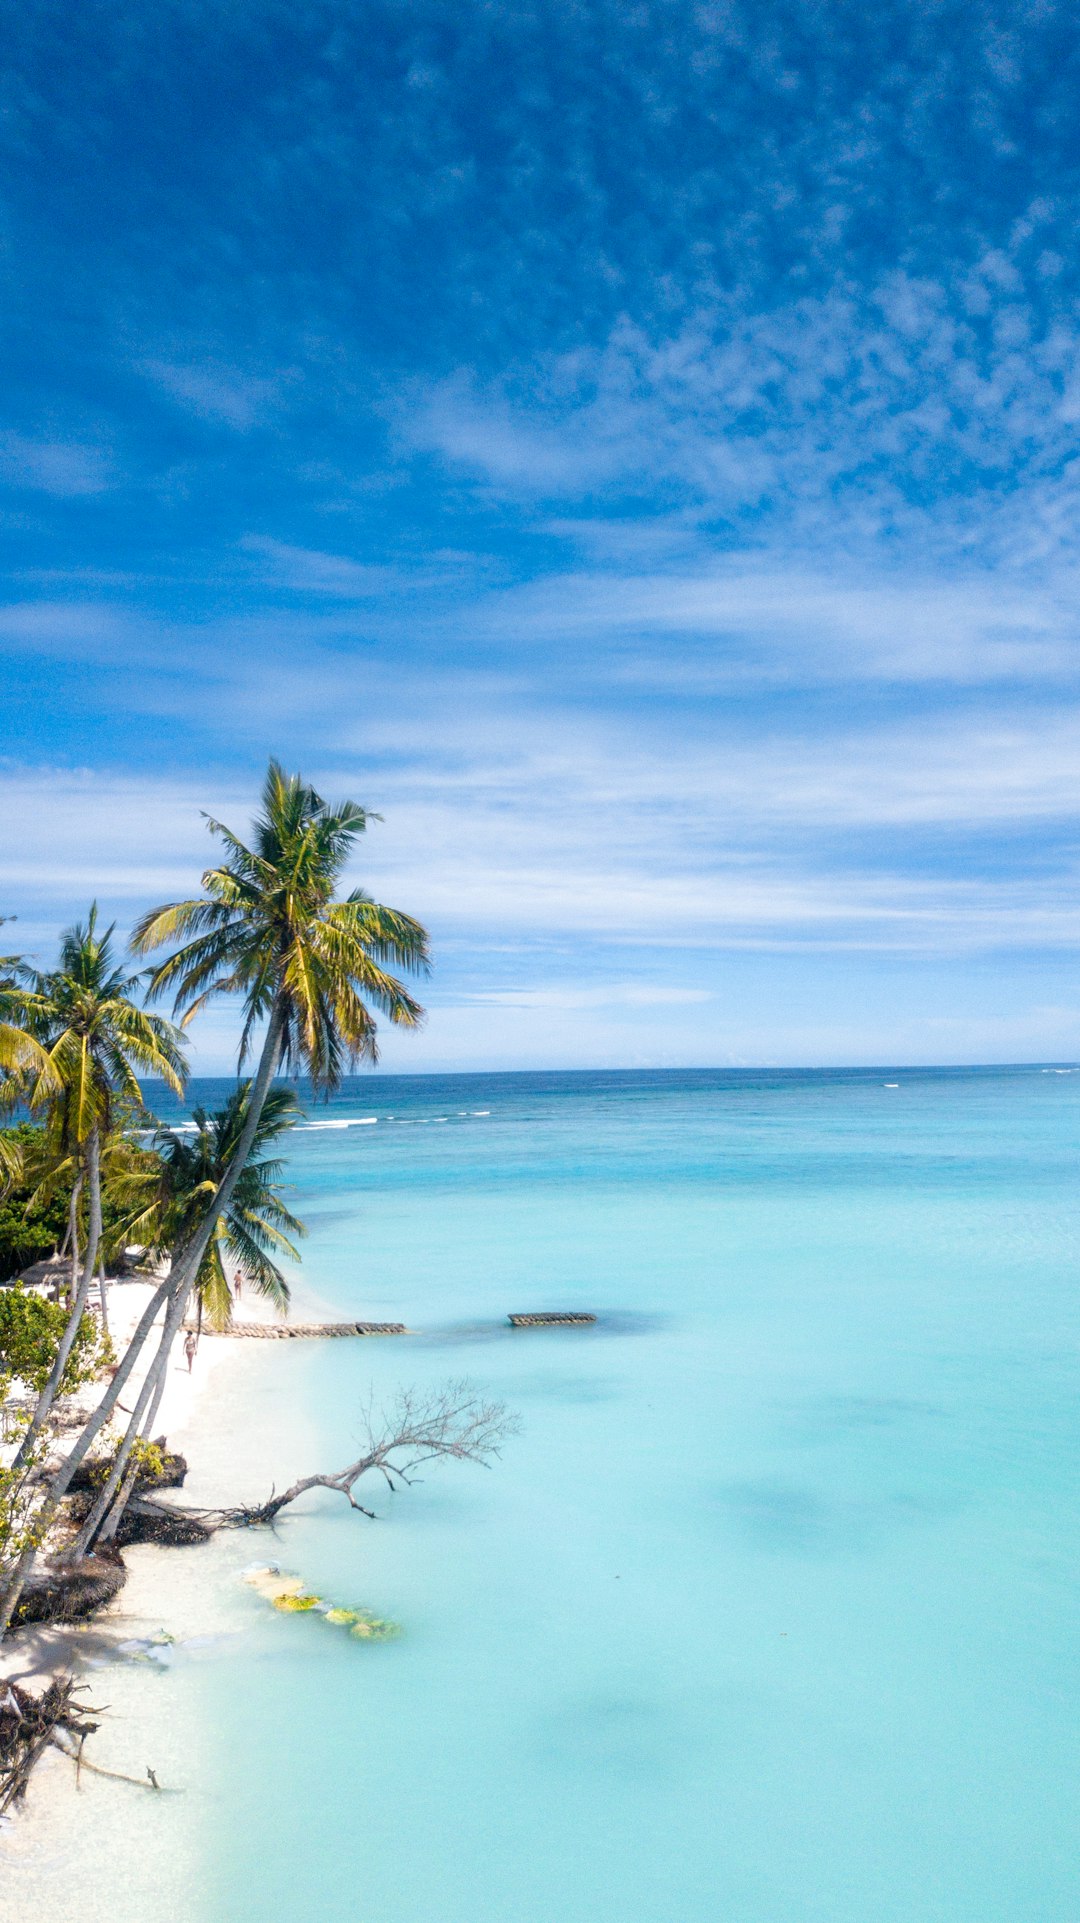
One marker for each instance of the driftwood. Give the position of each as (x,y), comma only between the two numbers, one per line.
(451,1422)
(29,1724)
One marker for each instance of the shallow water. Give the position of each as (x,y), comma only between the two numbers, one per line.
(770,1611)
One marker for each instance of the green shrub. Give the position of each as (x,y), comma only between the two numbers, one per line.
(148,1458)
(28,1237)
(30,1332)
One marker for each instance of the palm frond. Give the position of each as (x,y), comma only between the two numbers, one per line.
(269,929)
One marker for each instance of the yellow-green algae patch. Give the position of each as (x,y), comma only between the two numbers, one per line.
(288,1594)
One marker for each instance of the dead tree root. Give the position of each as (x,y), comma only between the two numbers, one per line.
(29,1724)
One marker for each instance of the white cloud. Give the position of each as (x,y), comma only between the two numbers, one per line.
(620,837)
(218,391)
(739,623)
(909,409)
(308,571)
(61,468)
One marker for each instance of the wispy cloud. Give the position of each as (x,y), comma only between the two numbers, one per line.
(869,411)
(217,392)
(620,840)
(743,621)
(66,469)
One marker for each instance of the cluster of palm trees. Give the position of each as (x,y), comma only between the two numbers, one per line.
(312,969)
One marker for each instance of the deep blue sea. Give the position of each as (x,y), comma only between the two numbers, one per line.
(768,1614)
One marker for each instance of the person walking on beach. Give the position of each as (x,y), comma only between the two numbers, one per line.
(191,1343)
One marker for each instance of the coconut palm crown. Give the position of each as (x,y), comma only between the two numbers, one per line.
(91,1035)
(168,1189)
(270,929)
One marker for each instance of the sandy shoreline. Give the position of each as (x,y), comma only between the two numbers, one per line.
(31,1655)
(55,1809)
(44,1843)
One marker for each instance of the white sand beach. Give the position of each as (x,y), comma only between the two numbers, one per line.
(159,1598)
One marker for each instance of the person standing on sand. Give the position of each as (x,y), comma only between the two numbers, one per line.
(191,1343)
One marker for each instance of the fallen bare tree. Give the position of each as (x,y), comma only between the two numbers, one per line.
(419,1426)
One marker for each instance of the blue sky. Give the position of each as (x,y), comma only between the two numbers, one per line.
(634,447)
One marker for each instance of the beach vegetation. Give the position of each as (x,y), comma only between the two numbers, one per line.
(150,1461)
(31,1330)
(96,1036)
(33,1225)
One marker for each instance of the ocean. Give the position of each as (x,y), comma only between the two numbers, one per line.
(767,1614)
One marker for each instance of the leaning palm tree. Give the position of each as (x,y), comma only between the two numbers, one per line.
(309,967)
(180,1176)
(94,1037)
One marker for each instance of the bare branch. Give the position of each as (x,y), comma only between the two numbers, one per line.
(420,1426)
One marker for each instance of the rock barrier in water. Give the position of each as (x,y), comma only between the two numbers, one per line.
(554,1318)
(290,1331)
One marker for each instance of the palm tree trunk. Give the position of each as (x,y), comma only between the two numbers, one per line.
(179,1285)
(103,1291)
(257,1094)
(142,1418)
(93,1236)
(58,1489)
(154,1387)
(73,1239)
(190,1263)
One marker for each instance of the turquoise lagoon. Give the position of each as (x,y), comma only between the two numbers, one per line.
(769,1614)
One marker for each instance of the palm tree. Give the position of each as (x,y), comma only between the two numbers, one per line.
(166,1196)
(309,966)
(169,1193)
(94,1037)
(270,928)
